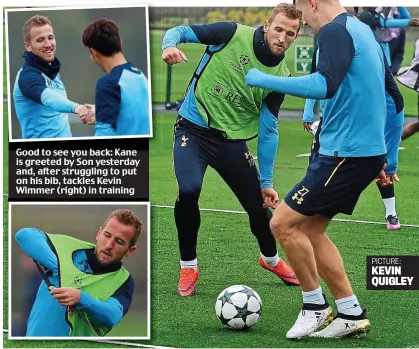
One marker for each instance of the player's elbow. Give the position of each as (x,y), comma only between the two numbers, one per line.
(113,318)
(24,234)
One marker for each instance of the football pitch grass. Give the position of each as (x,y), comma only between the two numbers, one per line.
(227,254)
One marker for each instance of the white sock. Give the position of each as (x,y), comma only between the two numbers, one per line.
(189,264)
(271,261)
(390,205)
(314,297)
(349,306)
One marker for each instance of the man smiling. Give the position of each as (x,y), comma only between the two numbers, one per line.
(39,94)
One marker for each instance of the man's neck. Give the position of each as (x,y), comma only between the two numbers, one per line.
(99,268)
(329,14)
(111,62)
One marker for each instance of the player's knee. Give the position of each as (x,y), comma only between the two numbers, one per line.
(190,191)
(277,226)
(282,229)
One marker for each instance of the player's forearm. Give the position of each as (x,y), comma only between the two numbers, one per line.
(393,137)
(34,243)
(177,35)
(268,140)
(103,129)
(107,313)
(308,114)
(394,22)
(57,101)
(311,86)
(392,159)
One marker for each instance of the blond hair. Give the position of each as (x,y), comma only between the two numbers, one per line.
(34,21)
(127,217)
(289,10)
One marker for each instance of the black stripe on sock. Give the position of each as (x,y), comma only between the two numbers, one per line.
(363,316)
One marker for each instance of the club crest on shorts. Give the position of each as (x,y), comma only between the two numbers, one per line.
(299,195)
(184,139)
(249,158)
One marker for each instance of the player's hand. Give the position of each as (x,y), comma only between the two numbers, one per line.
(172,55)
(390,178)
(253,77)
(270,198)
(307,126)
(381,179)
(90,119)
(82,111)
(67,296)
(387,180)
(414,22)
(70,310)
(384,180)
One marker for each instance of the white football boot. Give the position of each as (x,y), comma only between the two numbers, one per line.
(345,326)
(311,318)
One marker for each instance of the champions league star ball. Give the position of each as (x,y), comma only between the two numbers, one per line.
(314,126)
(238,307)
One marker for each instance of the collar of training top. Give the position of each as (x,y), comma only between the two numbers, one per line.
(99,268)
(262,50)
(50,70)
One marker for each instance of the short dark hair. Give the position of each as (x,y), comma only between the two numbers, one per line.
(103,36)
(127,217)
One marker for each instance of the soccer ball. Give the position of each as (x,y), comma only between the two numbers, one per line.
(314,126)
(238,307)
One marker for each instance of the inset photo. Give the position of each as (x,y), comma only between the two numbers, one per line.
(79,270)
(78,73)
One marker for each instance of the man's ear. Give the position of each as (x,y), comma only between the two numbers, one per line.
(130,251)
(313,4)
(266,26)
(98,233)
(27,46)
(94,52)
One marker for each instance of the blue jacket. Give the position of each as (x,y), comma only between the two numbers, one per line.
(41,100)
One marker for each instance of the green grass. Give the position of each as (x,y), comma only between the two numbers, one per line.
(228,252)
(228,255)
(182,73)
(293,141)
